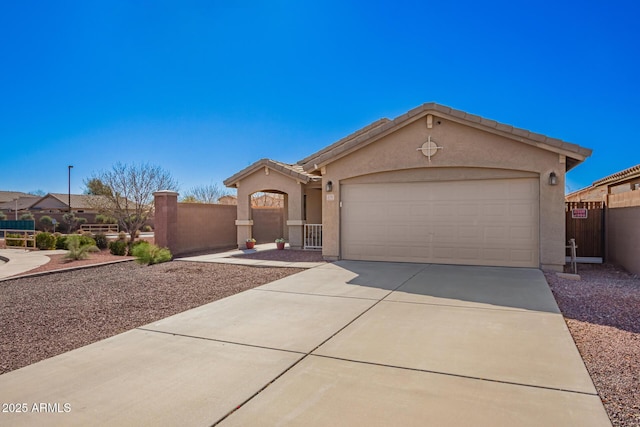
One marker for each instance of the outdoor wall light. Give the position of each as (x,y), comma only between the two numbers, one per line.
(329,187)
(553,179)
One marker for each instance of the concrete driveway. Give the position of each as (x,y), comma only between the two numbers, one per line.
(349,343)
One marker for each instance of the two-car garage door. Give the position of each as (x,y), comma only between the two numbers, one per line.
(475,222)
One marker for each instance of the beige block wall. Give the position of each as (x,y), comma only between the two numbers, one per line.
(268,224)
(624,200)
(202,227)
(623,237)
(472,153)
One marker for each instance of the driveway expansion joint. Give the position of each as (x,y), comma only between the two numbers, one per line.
(315,295)
(220,341)
(450,374)
(317,347)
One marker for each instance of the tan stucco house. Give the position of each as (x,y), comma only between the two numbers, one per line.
(434,185)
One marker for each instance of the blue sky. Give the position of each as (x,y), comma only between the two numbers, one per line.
(205,88)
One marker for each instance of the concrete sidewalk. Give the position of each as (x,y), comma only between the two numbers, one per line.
(230,257)
(19,260)
(348,343)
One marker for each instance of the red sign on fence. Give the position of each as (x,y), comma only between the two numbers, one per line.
(579,213)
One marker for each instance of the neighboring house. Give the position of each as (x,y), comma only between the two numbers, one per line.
(434,185)
(19,204)
(8,196)
(600,191)
(57,202)
(228,200)
(268,200)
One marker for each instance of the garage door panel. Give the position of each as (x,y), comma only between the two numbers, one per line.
(489,222)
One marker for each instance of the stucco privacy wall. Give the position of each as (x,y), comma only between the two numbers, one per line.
(623,237)
(268,224)
(623,230)
(192,227)
(467,153)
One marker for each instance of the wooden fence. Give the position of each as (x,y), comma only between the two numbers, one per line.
(585,224)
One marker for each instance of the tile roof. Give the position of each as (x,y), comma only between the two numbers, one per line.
(632,172)
(7,196)
(295,171)
(22,203)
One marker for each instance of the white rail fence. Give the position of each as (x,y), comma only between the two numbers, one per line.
(313,236)
(100,228)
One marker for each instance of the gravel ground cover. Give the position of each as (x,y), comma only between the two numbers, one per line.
(47,315)
(602,311)
(285,255)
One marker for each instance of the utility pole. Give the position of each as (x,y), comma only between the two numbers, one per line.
(70,167)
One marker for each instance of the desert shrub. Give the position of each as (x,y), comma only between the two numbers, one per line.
(87,239)
(147,253)
(147,228)
(77,250)
(61,241)
(45,241)
(2,216)
(105,219)
(26,217)
(118,247)
(101,240)
(47,222)
(122,235)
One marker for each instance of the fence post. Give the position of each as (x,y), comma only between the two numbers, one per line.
(166,219)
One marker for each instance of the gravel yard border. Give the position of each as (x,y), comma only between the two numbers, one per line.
(602,312)
(43,316)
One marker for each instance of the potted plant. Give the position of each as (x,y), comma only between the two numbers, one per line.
(280,243)
(250,243)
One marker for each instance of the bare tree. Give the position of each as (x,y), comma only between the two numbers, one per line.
(204,194)
(273,200)
(127,193)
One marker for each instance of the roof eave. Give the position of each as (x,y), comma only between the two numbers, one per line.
(232,181)
(576,153)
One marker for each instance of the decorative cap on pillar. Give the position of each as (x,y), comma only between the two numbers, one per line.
(165,193)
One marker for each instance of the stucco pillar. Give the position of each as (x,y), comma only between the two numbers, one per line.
(295,215)
(244,223)
(166,219)
(552,226)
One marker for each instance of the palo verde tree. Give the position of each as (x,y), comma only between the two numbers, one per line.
(126,193)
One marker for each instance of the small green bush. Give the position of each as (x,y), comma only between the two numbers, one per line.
(27,217)
(101,240)
(147,228)
(45,241)
(105,219)
(118,247)
(47,222)
(77,250)
(147,253)
(61,242)
(87,239)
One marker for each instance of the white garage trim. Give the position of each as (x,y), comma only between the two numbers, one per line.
(472,222)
